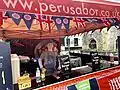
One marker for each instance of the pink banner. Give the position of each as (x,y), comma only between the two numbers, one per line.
(82,8)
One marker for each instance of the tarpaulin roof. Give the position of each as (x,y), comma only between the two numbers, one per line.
(11,30)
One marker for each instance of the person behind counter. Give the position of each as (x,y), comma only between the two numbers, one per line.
(47,60)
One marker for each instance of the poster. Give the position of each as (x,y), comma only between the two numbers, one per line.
(5,67)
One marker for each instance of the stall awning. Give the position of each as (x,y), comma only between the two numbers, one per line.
(66,12)
(11,30)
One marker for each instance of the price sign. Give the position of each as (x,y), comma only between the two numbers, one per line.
(95,61)
(65,66)
(65,63)
(24,82)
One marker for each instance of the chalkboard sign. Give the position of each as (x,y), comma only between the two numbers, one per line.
(65,65)
(95,61)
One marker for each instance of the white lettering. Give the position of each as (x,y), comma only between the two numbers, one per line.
(113,87)
(107,13)
(114,83)
(43,7)
(72,10)
(110,85)
(119,79)
(78,10)
(52,8)
(25,4)
(91,11)
(114,80)
(1,57)
(58,7)
(103,13)
(10,2)
(96,12)
(85,10)
(82,9)
(118,84)
(66,11)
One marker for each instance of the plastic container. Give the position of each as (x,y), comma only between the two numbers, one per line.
(38,79)
(43,74)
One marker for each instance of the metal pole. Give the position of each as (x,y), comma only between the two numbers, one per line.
(68,44)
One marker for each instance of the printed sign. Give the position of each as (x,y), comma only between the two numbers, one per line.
(24,82)
(83,8)
(65,65)
(5,67)
(83,85)
(89,84)
(95,61)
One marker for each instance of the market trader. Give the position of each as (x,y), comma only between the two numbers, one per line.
(48,58)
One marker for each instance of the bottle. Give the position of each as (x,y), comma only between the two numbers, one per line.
(38,79)
(43,75)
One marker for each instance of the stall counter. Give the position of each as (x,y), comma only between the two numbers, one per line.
(107,79)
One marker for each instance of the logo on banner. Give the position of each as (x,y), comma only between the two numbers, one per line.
(27,17)
(16,16)
(65,21)
(58,20)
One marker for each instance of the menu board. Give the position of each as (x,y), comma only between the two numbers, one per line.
(95,61)
(65,64)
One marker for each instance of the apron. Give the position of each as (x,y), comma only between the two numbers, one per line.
(50,63)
